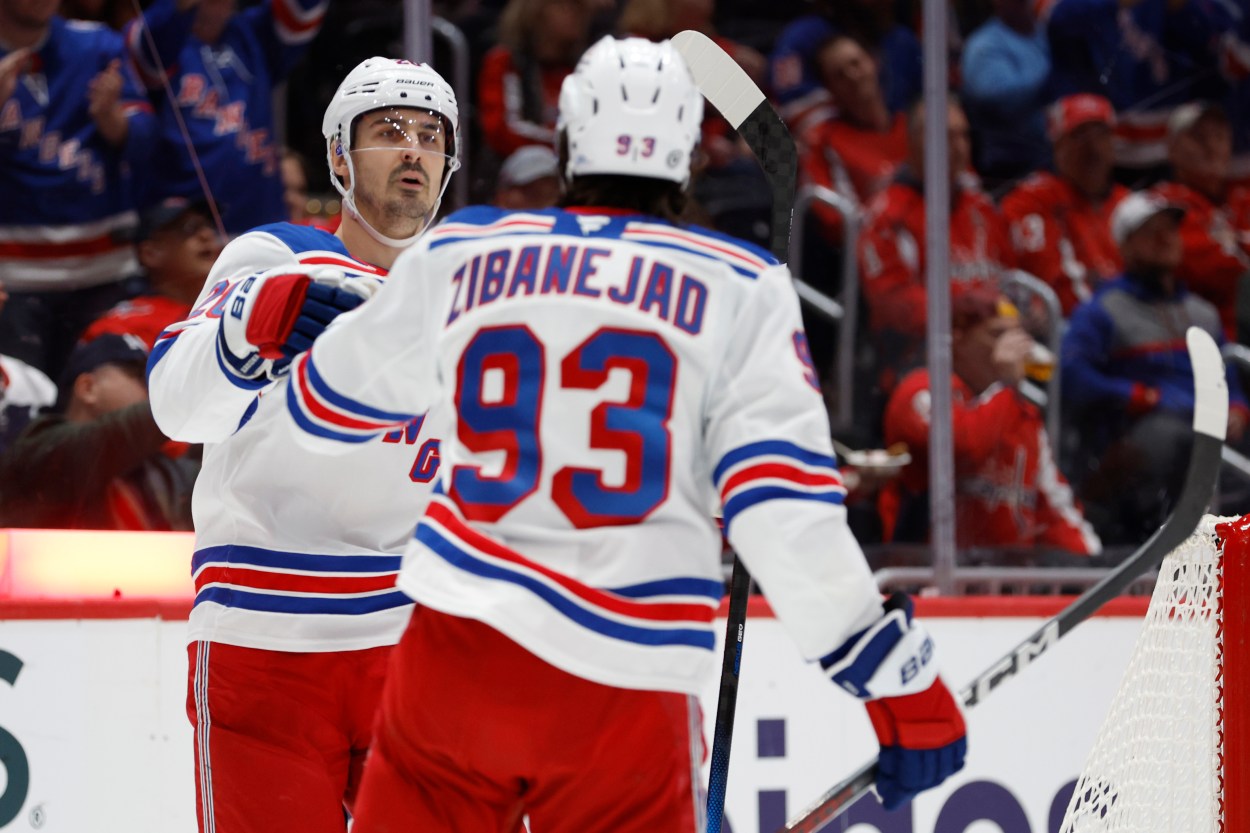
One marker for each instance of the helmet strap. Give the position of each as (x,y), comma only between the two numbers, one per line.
(349,205)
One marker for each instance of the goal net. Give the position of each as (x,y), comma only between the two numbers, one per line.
(1167,756)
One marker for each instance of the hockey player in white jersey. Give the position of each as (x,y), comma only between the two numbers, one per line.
(296,609)
(618,379)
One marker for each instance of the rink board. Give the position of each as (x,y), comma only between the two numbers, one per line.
(94,736)
(96,714)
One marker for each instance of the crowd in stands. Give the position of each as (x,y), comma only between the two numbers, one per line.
(1100,146)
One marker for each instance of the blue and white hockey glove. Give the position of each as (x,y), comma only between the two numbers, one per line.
(890,666)
(270,318)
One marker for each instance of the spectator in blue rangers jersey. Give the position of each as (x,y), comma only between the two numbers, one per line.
(616,377)
(213,76)
(71,122)
(295,555)
(1127,376)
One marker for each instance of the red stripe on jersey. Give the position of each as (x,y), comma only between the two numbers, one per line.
(462,228)
(653,611)
(292,582)
(780,471)
(325,260)
(322,412)
(699,241)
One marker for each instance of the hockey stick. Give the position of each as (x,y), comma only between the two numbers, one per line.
(1210,422)
(739,100)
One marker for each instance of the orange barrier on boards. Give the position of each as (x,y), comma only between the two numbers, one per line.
(85,566)
(89,564)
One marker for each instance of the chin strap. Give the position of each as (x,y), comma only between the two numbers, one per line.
(349,205)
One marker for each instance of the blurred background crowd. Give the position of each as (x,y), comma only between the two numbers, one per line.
(1099,169)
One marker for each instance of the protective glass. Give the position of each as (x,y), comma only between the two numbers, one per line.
(403,129)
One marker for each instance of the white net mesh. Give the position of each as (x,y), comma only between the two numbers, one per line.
(1156,763)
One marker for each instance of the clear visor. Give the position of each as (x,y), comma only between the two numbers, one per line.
(403,129)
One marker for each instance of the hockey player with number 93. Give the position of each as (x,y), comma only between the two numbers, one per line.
(618,379)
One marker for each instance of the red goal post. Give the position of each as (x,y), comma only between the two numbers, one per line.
(1174,751)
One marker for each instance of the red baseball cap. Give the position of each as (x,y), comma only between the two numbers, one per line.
(1072,111)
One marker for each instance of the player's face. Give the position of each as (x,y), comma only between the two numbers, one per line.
(399,156)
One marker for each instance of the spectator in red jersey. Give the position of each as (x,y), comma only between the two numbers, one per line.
(891,246)
(1008,488)
(856,152)
(97,463)
(529,179)
(519,85)
(1215,234)
(1060,222)
(177,246)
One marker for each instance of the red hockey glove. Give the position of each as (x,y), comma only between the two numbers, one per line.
(923,742)
(270,318)
(890,665)
(278,302)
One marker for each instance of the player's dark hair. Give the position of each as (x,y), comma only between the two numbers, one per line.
(660,198)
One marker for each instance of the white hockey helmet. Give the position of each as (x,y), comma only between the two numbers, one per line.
(631,107)
(377,83)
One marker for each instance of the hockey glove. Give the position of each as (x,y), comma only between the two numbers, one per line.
(271,318)
(890,665)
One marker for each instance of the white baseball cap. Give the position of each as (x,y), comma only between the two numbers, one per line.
(1135,209)
(1186,115)
(527,164)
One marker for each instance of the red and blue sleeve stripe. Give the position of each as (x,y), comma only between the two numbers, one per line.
(322,411)
(775,470)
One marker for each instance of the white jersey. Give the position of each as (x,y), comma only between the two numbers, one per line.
(617,381)
(293,551)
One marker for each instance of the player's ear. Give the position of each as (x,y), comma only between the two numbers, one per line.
(338,164)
